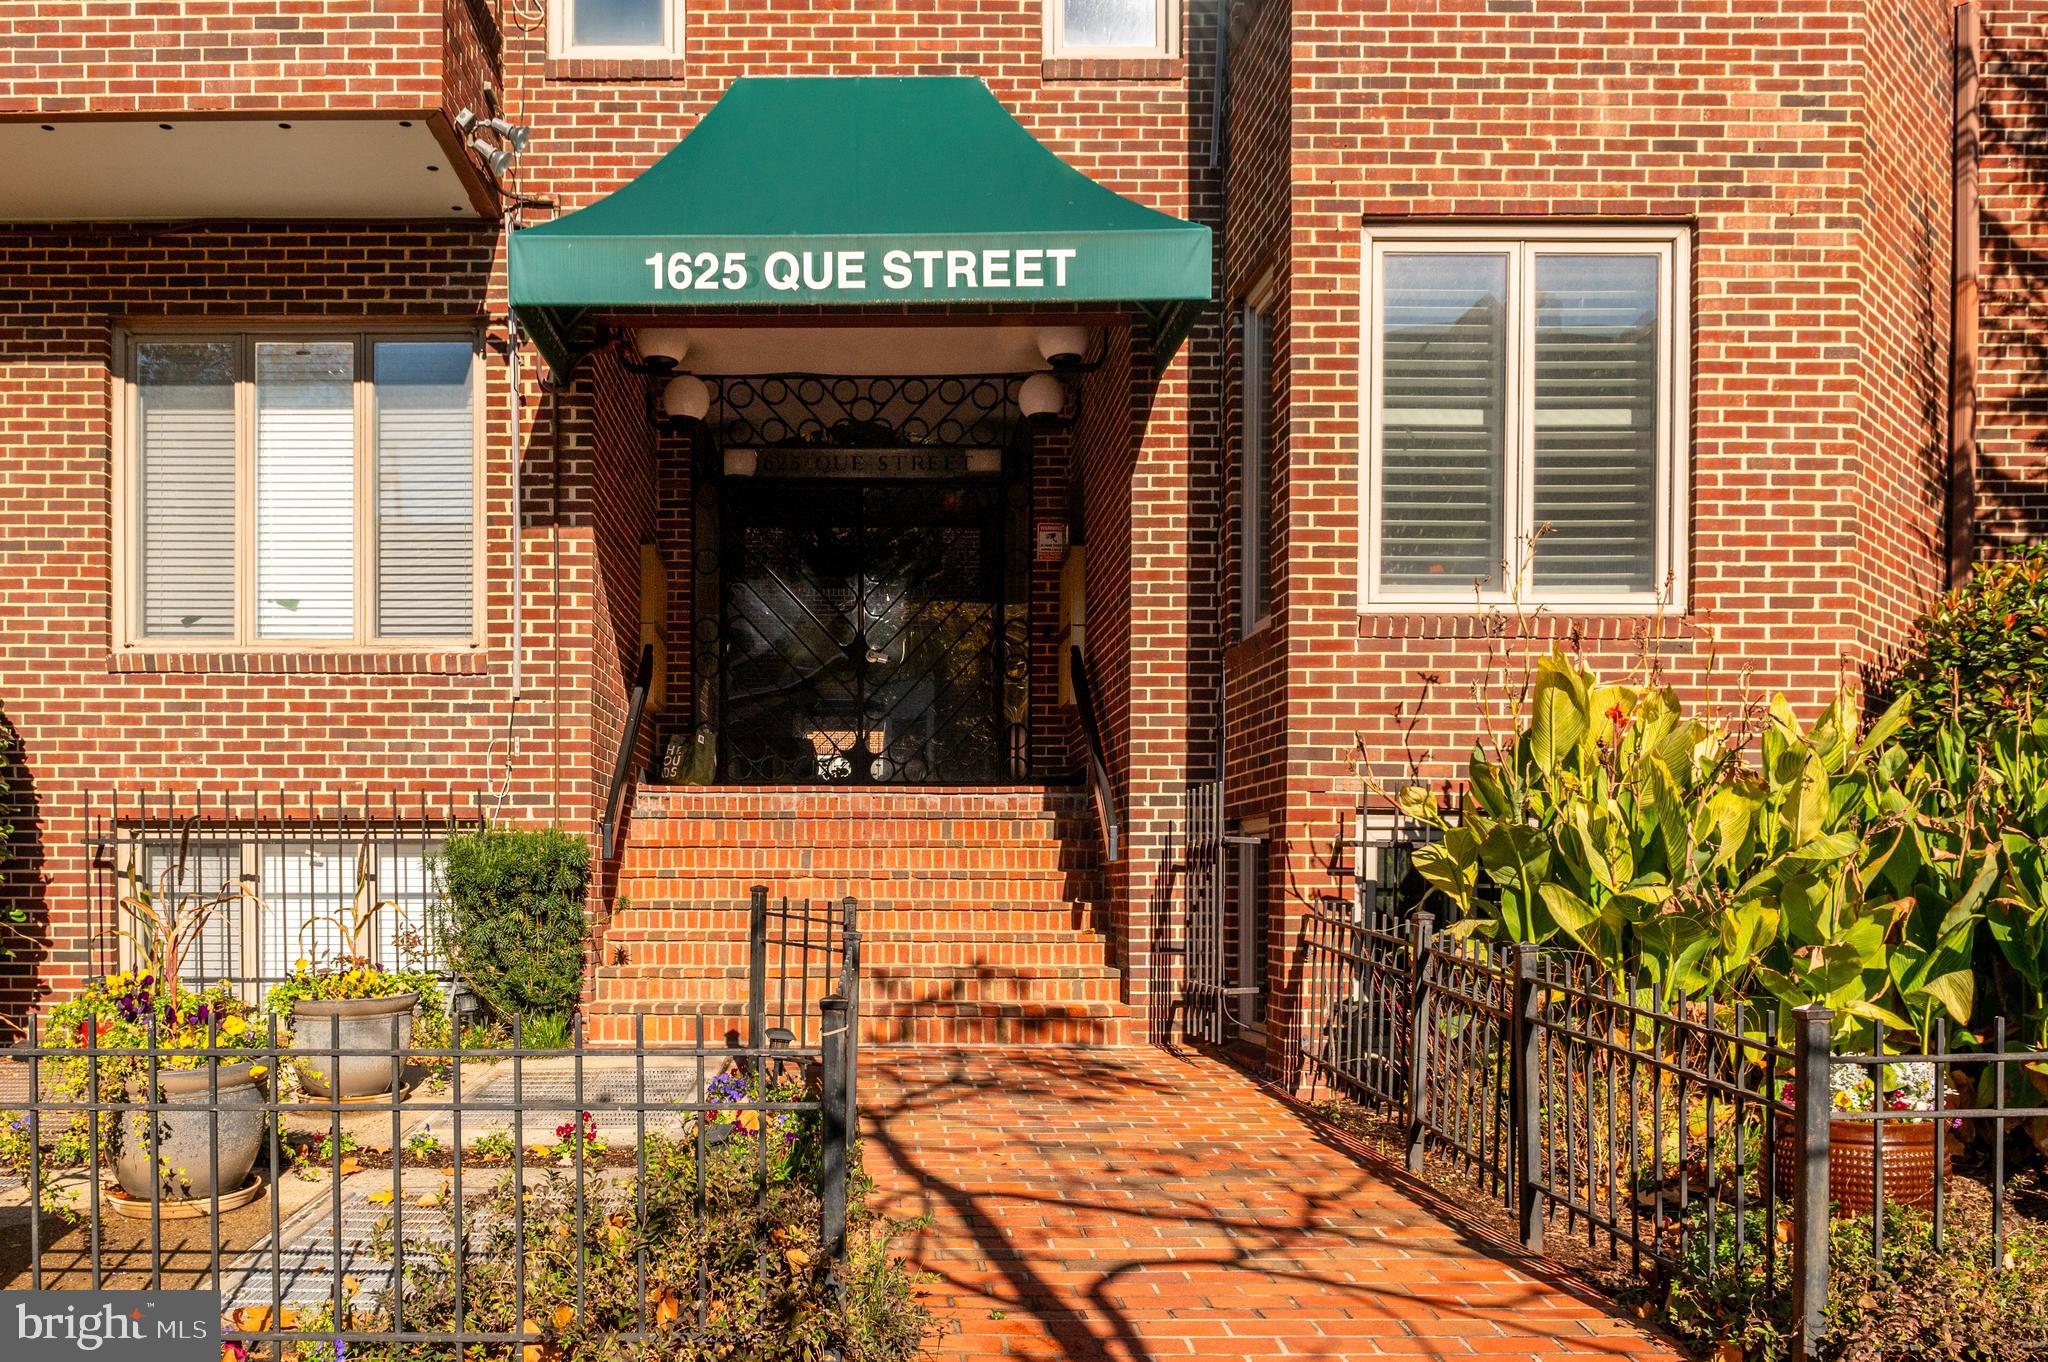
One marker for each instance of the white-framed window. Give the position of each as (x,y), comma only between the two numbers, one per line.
(617,29)
(298,490)
(1112,28)
(1257,487)
(1525,411)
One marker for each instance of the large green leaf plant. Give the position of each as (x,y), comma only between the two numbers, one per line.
(1680,862)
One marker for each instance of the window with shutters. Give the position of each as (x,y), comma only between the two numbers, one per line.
(1525,418)
(303,490)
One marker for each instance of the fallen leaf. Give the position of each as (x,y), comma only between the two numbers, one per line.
(429,1199)
(350,1166)
(351,1285)
(381,1197)
(565,1315)
(797,1257)
(540,1151)
(1730,1351)
(252,1319)
(669,1310)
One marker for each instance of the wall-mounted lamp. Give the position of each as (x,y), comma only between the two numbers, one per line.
(686,398)
(1042,398)
(499,159)
(662,348)
(1064,347)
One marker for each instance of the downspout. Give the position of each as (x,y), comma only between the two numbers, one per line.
(518,511)
(1966,223)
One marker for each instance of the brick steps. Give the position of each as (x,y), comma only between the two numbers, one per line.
(976,916)
(946,1025)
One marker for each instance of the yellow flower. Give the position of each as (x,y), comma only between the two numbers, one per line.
(233,1026)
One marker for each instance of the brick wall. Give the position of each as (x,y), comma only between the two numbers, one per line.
(1808,158)
(89,719)
(2012,401)
(74,56)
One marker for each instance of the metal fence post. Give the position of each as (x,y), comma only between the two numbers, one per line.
(1421,935)
(1525,1092)
(757,969)
(834,1039)
(1812,1105)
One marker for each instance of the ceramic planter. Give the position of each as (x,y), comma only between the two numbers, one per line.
(207,1136)
(365,1030)
(1852,1164)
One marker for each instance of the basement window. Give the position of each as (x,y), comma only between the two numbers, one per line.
(312,491)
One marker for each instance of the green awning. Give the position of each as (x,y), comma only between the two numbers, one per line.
(852,190)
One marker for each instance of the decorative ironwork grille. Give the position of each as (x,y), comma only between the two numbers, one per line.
(864,633)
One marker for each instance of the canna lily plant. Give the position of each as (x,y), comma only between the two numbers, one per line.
(1618,823)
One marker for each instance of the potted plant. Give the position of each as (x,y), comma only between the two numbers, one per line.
(351,1019)
(1906,1145)
(190,1064)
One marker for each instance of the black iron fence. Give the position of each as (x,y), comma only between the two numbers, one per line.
(1667,1130)
(498,1195)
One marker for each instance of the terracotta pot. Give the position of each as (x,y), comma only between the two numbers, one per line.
(1852,1164)
(204,1130)
(363,1030)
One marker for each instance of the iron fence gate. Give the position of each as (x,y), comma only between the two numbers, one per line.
(1225,916)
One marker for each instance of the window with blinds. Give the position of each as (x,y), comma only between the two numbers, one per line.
(185,434)
(1525,416)
(317,490)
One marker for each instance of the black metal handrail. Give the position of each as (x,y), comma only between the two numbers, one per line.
(629,740)
(1098,769)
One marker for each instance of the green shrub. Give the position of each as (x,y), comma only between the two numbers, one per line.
(517,923)
(1980,655)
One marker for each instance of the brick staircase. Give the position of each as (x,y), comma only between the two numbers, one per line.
(976,911)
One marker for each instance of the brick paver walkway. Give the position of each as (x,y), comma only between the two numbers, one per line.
(1137,1205)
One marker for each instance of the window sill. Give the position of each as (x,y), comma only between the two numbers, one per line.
(1540,621)
(1114,68)
(285,662)
(664,66)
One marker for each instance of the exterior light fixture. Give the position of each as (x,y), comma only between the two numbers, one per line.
(1042,398)
(686,398)
(465,119)
(663,348)
(497,158)
(1063,346)
(512,134)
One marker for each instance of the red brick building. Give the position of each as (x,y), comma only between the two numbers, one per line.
(348,465)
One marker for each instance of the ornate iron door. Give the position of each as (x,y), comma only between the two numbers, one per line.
(863,632)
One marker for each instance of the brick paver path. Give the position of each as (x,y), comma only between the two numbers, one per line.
(1139,1204)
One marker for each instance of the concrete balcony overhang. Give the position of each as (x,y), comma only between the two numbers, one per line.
(279,166)
(247,109)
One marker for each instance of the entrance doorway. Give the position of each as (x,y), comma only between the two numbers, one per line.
(865,632)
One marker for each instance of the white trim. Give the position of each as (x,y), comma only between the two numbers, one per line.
(1671,244)
(1168,28)
(561,23)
